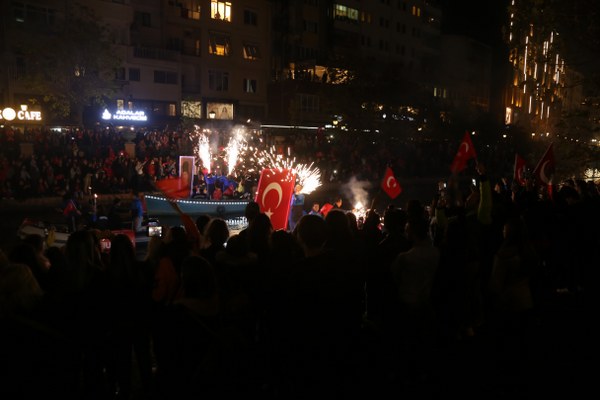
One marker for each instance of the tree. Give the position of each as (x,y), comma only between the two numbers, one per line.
(71,66)
(363,93)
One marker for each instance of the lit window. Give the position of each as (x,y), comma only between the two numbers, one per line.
(345,13)
(191,109)
(120,104)
(172,110)
(251,52)
(218,44)
(220,10)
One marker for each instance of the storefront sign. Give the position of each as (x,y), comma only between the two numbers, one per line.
(125,115)
(10,114)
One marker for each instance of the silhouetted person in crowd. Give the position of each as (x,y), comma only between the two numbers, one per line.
(115,222)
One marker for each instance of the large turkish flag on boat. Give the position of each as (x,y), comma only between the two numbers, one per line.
(274,195)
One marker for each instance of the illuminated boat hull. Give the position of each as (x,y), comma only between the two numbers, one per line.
(160,206)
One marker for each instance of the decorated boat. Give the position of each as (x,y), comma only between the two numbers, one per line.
(158,206)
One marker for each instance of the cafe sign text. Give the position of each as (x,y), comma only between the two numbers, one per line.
(23,114)
(124,115)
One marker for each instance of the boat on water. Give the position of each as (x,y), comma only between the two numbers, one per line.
(160,207)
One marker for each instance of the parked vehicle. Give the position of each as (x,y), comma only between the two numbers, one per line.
(58,234)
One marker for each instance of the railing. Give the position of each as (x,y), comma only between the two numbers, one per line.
(155,53)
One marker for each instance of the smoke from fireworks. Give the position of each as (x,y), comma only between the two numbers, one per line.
(357,192)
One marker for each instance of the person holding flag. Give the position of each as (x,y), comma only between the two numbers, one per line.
(466,151)
(544,169)
(519,173)
(390,184)
(274,195)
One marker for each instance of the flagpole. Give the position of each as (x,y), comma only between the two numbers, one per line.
(543,156)
(375,198)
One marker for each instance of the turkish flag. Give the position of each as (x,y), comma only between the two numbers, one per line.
(326,208)
(466,151)
(390,184)
(520,165)
(545,168)
(274,195)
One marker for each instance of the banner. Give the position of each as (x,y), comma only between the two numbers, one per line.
(274,195)
(180,187)
(187,170)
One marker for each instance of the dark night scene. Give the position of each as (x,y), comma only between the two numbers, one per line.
(298,199)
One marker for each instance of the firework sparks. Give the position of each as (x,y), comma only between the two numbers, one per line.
(233,149)
(241,155)
(359,210)
(308,176)
(204,153)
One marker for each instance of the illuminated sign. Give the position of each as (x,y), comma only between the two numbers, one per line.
(125,115)
(10,114)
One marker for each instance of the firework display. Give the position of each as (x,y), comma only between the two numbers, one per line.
(246,153)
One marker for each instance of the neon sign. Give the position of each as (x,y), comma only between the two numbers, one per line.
(125,115)
(10,114)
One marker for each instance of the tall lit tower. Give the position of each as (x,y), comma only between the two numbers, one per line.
(535,93)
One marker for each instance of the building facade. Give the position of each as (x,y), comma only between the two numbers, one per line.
(202,59)
(252,60)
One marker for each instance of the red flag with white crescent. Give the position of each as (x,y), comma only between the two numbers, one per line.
(390,184)
(465,152)
(274,195)
(544,170)
(520,165)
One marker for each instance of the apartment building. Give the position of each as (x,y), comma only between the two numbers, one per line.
(202,59)
(240,60)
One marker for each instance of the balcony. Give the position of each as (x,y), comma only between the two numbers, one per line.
(155,53)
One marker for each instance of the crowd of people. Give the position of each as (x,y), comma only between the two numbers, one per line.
(38,162)
(334,308)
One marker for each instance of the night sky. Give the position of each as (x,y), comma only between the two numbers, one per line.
(481,20)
